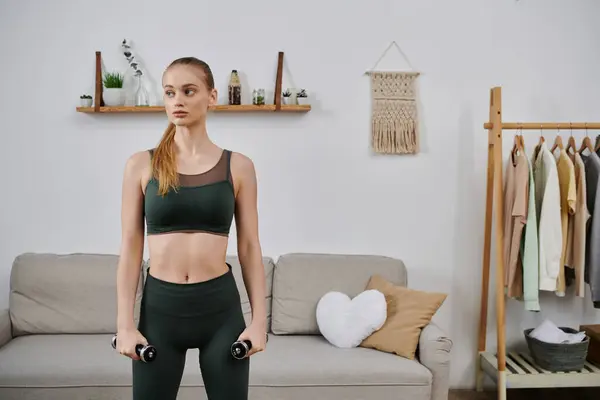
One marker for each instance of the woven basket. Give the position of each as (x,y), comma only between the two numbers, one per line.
(558,356)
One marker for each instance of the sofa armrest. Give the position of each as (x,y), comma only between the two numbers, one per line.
(434,354)
(5,327)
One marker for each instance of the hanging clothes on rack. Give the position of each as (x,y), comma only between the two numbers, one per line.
(576,236)
(523,372)
(547,199)
(515,217)
(592,262)
(529,247)
(568,197)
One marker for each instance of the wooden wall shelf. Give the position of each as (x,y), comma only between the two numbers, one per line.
(99,106)
(218,108)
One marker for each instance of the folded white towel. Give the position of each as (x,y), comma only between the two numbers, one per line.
(548,332)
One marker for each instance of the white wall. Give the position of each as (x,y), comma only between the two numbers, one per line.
(321,189)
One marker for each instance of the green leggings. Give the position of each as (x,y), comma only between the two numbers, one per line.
(175,317)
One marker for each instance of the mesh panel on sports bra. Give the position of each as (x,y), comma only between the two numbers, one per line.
(218,173)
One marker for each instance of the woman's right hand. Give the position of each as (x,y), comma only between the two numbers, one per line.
(127,340)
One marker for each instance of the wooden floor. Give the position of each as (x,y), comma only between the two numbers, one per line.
(530,394)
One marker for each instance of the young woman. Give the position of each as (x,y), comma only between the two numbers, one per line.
(188,190)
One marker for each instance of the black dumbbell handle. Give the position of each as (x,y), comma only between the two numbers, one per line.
(150,350)
(138,349)
(240,348)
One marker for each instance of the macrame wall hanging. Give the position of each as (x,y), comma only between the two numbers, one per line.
(394,115)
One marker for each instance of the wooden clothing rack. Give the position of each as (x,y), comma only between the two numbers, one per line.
(517,370)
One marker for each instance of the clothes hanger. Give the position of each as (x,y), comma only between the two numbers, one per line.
(522,142)
(542,140)
(557,143)
(571,145)
(538,147)
(586,143)
(518,144)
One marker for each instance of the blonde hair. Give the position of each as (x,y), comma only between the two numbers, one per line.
(164,160)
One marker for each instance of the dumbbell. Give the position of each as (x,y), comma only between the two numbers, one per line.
(145,353)
(240,348)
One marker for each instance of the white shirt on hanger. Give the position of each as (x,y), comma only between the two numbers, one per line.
(547,200)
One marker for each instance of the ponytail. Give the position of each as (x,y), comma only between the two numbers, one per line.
(164,162)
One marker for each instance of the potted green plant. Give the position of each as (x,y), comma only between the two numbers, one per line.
(286,96)
(302,96)
(85,100)
(113,92)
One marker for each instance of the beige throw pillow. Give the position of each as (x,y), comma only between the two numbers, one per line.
(408,311)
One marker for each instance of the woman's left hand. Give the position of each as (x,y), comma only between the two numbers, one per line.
(256,333)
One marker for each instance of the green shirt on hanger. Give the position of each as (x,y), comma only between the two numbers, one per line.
(530,249)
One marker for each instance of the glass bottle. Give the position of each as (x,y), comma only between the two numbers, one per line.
(141,94)
(235,89)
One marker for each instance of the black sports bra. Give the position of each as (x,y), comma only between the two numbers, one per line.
(203,202)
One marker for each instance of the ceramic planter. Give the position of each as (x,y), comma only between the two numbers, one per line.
(113,96)
(302,100)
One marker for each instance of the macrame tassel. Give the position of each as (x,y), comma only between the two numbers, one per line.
(395,128)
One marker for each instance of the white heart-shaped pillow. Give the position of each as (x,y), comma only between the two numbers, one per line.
(346,322)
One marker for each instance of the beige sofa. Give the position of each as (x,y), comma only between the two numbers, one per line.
(55,337)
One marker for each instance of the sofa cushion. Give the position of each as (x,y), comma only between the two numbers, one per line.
(47,361)
(301,279)
(310,360)
(65,293)
(346,322)
(408,312)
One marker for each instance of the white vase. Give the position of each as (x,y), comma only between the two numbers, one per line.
(85,102)
(286,100)
(302,100)
(113,97)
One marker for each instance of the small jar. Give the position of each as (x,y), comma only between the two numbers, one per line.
(258,97)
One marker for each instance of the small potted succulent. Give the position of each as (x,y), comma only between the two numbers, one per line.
(302,96)
(287,96)
(85,100)
(113,93)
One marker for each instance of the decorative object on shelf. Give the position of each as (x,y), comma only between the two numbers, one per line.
(102,108)
(85,100)
(235,89)
(128,53)
(394,114)
(258,97)
(142,98)
(220,108)
(302,97)
(113,92)
(287,96)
